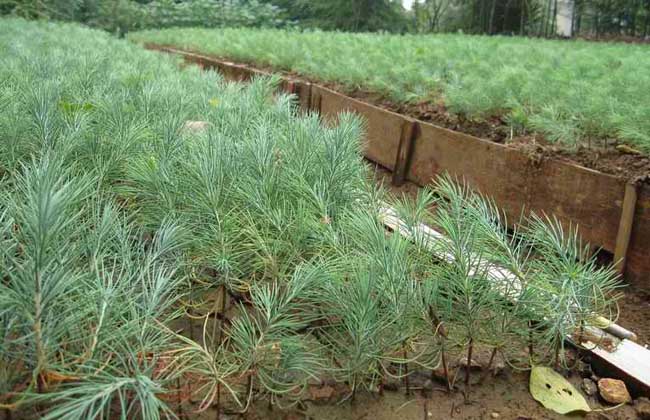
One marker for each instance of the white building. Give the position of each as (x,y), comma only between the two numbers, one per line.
(564,18)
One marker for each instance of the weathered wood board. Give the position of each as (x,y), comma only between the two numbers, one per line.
(383,128)
(576,195)
(637,267)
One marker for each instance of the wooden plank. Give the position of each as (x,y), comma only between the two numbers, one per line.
(627,361)
(637,264)
(302,91)
(575,195)
(582,197)
(383,128)
(625,227)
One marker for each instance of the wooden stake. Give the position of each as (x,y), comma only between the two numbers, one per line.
(404,151)
(625,227)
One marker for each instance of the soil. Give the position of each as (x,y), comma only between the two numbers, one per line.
(604,155)
(635,314)
(504,396)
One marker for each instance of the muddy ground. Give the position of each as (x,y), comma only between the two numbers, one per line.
(505,396)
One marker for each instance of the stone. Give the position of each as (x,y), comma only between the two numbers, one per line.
(613,391)
(321,393)
(495,415)
(421,380)
(474,365)
(195,127)
(589,387)
(642,408)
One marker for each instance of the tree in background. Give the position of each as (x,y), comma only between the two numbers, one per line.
(428,14)
(346,15)
(543,18)
(120,16)
(475,16)
(599,18)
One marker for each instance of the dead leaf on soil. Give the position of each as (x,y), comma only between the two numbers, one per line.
(554,392)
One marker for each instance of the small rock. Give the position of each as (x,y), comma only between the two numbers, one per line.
(473,365)
(321,393)
(589,387)
(642,407)
(427,385)
(613,391)
(421,379)
(195,127)
(495,415)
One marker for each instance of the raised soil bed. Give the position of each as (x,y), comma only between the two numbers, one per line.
(611,212)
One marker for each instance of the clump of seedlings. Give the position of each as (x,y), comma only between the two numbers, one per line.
(147,270)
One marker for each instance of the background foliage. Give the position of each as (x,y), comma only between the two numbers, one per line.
(593,19)
(121,16)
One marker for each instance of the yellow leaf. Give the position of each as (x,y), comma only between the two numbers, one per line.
(554,392)
(214,102)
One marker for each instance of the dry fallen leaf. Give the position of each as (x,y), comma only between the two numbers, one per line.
(554,392)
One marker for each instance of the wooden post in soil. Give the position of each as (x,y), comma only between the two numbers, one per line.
(404,151)
(625,227)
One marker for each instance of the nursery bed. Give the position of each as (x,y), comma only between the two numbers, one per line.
(494,87)
(610,211)
(218,249)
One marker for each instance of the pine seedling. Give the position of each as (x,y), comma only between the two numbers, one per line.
(572,288)
(270,342)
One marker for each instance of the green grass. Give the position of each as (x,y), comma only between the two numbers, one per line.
(572,92)
(122,228)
